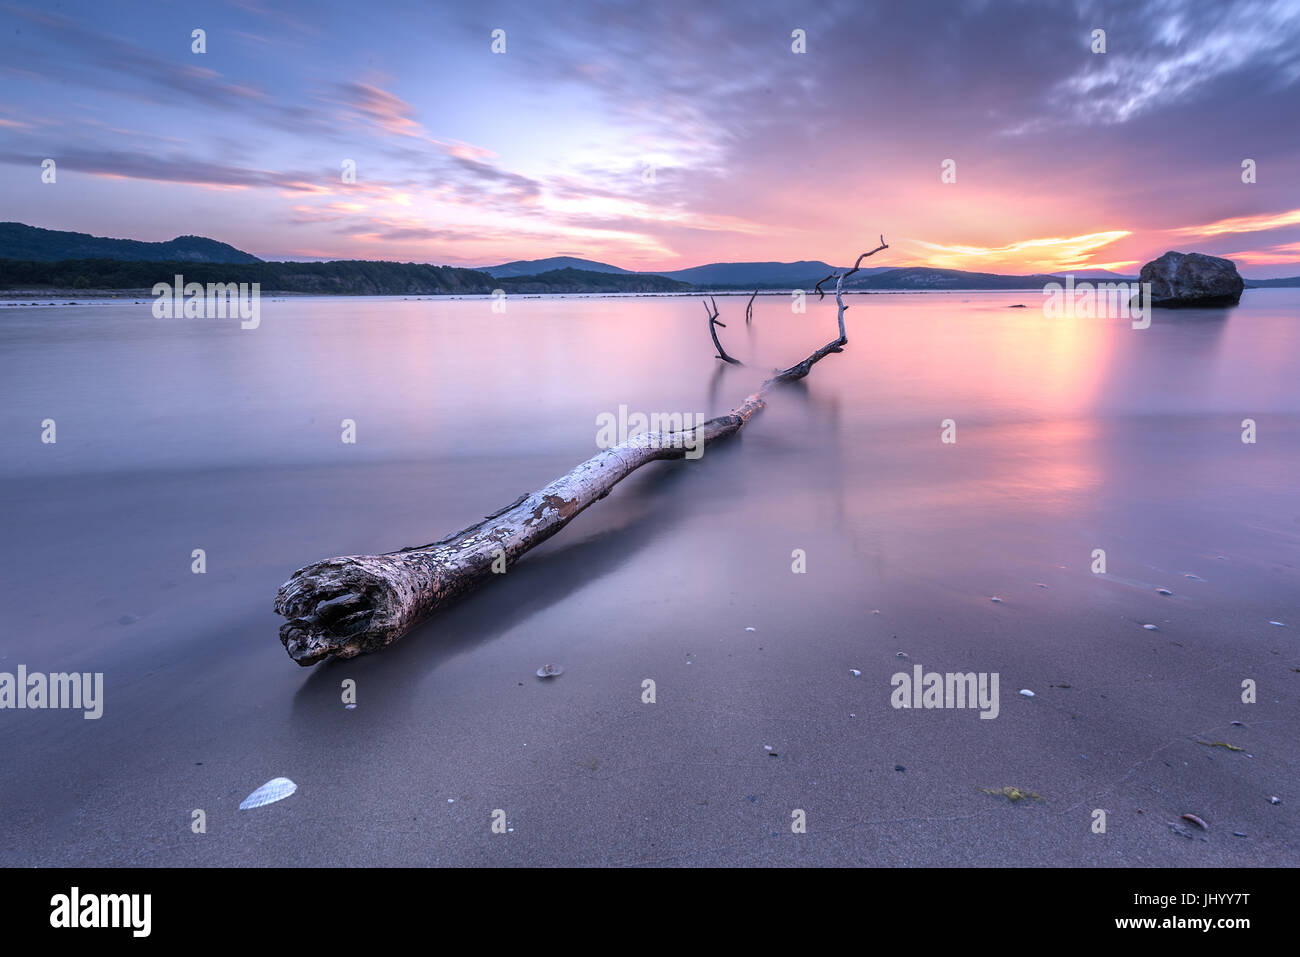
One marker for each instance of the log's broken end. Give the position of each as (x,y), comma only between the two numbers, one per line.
(335,608)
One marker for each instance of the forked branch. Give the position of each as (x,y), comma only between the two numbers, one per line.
(714,321)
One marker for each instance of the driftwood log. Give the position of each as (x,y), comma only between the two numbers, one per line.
(357,604)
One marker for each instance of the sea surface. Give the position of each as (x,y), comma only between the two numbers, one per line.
(771,686)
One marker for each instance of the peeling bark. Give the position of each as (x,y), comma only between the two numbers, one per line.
(358,604)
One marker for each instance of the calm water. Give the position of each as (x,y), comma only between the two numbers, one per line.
(1072,434)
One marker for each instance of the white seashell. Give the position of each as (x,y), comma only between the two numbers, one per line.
(1278,623)
(1275,800)
(1149,627)
(550,671)
(1026,692)
(751,628)
(1163,591)
(855,672)
(995,598)
(276,789)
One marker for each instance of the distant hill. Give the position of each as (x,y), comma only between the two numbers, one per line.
(33,244)
(343,277)
(1291,282)
(533,267)
(588,281)
(769,275)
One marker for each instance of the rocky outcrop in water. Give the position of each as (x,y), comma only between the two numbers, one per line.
(1192,279)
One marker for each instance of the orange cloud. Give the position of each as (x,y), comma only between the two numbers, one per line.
(1242,224)
(1058,252)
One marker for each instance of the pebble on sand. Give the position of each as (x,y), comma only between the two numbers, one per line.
(1149,627)
(1026,692)
(855,672)
(550,671)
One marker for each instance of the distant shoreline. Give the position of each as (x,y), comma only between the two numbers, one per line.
(71,297)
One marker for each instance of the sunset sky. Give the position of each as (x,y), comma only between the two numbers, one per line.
(664,135)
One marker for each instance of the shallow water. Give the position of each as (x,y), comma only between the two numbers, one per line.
(1071,435)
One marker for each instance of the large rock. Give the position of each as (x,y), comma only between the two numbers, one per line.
(1192,279)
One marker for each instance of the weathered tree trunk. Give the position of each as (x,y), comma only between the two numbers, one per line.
(357,604)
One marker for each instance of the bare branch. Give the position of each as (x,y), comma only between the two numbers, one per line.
(713,321)
(818,287)
(864,256)
(749,309)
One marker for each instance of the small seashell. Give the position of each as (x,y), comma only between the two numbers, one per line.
(550,671)
(1195,578)
(767,747)
(1149,627)
(996,599)
(1026,692)
(1197,821)
(1163,591)
(1278,623)
(875,611)
(1039,585)
(276,789)
(1275,800)
(750,628)
(1238,833)
(855,672)
(350,707)
(900,654)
